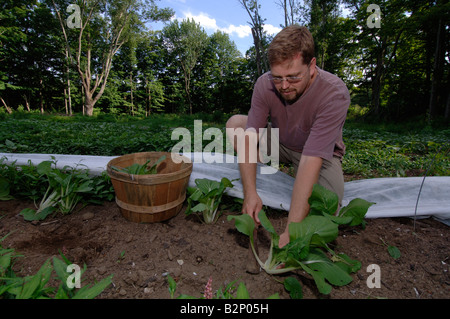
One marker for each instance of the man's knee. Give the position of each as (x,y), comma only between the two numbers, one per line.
(237,121)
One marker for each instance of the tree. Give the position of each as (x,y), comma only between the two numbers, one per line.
(257,25)
(105,25)
(378,46)
(324,16)
(292,11)
(30,68)
(185,41)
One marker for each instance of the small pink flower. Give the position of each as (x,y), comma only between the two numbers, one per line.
(208,294)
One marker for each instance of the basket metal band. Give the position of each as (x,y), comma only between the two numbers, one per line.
(150,209)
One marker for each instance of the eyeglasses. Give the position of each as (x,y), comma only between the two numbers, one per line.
(290,79)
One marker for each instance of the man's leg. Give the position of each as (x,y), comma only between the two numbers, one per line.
(331,175)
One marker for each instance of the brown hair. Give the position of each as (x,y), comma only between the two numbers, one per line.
(289,42)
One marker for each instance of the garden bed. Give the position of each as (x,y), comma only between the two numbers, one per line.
(140,256)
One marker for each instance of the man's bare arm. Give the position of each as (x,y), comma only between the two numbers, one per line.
(307,175)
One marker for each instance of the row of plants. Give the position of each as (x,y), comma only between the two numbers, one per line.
(308,249)
(371,151)
(53,190)
(49,282)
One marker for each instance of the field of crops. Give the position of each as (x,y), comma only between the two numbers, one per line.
(372,150)
(45,212)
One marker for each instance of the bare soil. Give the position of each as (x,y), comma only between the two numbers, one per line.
(141,255)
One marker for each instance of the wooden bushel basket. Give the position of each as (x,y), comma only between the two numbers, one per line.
(155,197)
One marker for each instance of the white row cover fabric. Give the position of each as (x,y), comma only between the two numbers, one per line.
(394,197)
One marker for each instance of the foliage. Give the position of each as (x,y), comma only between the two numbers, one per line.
(397,72)
(379,150)
(38,286)
(308,247)
(207,195)
(141,169)
(57,190)
(230,291)
(63,193)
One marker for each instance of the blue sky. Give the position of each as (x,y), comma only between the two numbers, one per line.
(224,15)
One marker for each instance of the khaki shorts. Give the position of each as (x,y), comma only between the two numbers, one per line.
(331,175)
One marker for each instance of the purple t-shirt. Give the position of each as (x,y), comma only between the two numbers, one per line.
(313,124)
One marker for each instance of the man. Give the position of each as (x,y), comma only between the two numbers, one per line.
(308,106)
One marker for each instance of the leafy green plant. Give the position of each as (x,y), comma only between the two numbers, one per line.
(141,169)
(64,191)
(230,291)
(308,247)
(294,288)
(4,190)
(393,251)
(206,197)
(38,286)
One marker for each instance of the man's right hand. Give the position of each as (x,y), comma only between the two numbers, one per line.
(252,205)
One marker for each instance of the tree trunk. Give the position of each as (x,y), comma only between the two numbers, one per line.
(8,109)
(447,109)
(149,99)
(27,104)
(88,104)
(256,42)
(376,83)
(131,94)
(437,72)
(41,98)
(69,97)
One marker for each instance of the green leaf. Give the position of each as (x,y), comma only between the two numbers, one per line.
(172,286)
(5,261)
(60,268)
(85,187)
(199,208)
(265,222)
(347,264)
(30,214)
(394,252)
(242,292)
(61,293)
(323,201)
(207,185)
(44,168)
(315,228)
(294,288)
(357,209)
(33,287)
(196,193)
(226,182)
(319,279)
(244,223)
(91,292)
(321,268)
(4,190)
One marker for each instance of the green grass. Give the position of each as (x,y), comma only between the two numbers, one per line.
(372,150)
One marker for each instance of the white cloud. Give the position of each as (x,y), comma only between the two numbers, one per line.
(202,18)
(242,31)
(209,23)
(271,30)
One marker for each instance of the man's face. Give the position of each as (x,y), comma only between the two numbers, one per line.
(292,77)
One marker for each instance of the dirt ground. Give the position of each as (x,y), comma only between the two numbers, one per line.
(141,255)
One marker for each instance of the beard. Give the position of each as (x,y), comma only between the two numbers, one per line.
(290,96)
